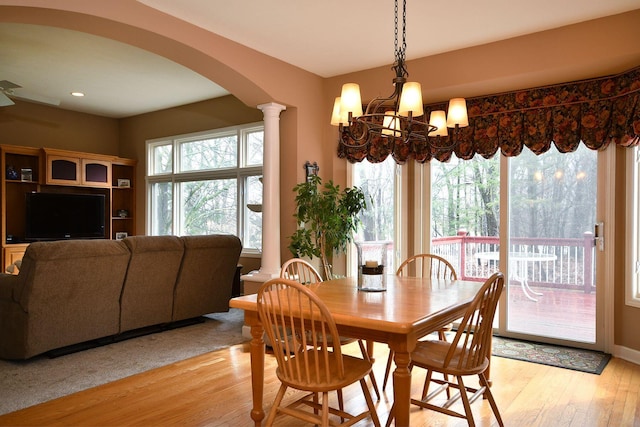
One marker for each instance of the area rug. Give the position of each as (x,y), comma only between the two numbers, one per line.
(576,359)
(37,380)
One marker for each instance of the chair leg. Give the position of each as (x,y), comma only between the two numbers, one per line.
(276,405)
(442,336)
(427,383)
(372,409)
(388,369)
(340,402)
(315,401)
(492,402)
(391,416)
(465,402)
(325,408)
(366,356)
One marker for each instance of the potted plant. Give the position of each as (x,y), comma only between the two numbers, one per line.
(328,217)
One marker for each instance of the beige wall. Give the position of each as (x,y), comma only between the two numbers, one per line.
(35,125)
(201,116)
(590,49)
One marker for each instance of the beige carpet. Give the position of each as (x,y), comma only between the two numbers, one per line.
(26,383)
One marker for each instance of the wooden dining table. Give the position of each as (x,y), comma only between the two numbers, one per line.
(408,310)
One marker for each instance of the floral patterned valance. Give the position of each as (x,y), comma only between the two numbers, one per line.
(596,112)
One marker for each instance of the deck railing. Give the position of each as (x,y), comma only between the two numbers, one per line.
(562,263)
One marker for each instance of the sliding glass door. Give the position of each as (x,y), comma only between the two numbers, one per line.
(551,251)
(531,216)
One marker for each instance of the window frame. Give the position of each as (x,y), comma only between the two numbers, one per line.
(632,287)
(240,172)
(400,218)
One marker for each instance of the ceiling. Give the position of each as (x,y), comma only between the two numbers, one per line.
(120,80)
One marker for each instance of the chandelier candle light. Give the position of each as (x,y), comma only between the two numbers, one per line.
(401,115)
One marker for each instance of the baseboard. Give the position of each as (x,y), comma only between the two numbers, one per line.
(628,354)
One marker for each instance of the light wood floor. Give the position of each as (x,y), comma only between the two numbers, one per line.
(214,390)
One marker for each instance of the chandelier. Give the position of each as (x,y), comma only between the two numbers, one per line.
(399,116)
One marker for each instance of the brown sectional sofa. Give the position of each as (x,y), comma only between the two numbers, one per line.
(70,292)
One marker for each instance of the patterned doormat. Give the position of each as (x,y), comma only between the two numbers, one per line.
(577,359)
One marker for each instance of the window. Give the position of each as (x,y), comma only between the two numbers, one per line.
(633,228)
(203,183)
(378,181)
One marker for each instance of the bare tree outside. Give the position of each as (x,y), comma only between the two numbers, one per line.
(551,195)
(377,182)
(465,196)
(215,176)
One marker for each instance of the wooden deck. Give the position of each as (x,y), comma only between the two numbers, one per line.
(558,313)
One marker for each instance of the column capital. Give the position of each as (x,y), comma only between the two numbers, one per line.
(272,107)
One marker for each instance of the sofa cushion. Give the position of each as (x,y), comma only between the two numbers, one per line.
(206,275)
(147,294)
(67,292)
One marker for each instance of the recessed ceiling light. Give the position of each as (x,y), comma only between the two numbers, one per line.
(79,94)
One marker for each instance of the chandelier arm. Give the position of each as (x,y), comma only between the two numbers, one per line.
(382,118)
(374,106)
(361,138)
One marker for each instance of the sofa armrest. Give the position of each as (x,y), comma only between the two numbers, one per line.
(8,283)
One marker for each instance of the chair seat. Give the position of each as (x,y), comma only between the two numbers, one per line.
(431,355)
(354,369)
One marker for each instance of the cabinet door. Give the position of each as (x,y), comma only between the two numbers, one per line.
(96,173)
(12,254)
(63,170)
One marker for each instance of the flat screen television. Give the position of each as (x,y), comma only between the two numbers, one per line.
(57,216)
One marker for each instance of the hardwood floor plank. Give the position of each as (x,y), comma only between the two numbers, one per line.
(214,389)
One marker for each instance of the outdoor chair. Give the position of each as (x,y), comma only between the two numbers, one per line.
(301,329)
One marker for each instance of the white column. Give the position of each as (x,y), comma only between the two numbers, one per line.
(270,266)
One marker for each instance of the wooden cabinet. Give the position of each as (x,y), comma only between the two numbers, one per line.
(13,162)
(11,254)
(123,198)
(27,170)
(96,173)
(70,168)
(63,170)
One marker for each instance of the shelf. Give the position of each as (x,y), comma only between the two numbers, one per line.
(19,181)
(62,171)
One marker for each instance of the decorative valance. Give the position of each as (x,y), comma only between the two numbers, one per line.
(596,112)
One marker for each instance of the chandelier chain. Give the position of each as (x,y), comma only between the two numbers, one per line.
(395,33)
(404,28)
(400,51)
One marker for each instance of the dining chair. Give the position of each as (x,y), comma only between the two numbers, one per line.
(304,273)
(466,355)
(301,271)
(291,312)
(424,265)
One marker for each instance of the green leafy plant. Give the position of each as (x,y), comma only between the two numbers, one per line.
(328,217)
